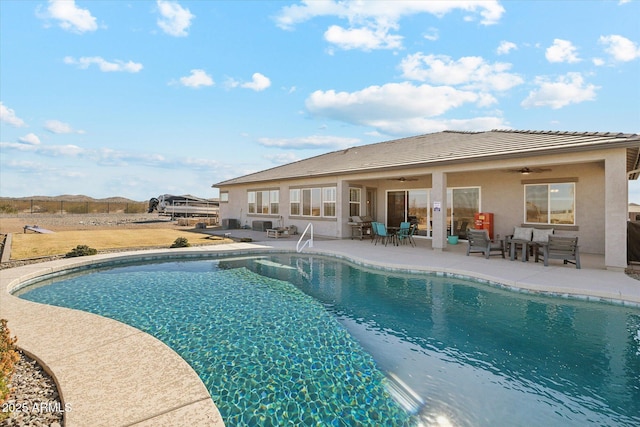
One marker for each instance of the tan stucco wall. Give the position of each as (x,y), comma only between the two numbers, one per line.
(237,206)
(501,193)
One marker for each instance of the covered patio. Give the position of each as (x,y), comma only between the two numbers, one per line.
(575,183)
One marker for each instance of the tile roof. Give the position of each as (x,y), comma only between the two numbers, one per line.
(448,147)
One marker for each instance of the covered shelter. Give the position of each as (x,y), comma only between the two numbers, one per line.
(574,182)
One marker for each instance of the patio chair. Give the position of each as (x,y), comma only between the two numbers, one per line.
(539,237)
(564,248)
(412,231)
(374,232)
(462,231)
(403,232)
(479,241)
(382,234)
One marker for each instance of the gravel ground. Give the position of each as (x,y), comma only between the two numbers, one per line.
(35,401)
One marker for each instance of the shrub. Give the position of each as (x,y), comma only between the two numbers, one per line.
(8,358)
(81,250)
(181,242)
(8,209)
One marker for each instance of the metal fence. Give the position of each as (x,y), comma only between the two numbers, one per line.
(65,207)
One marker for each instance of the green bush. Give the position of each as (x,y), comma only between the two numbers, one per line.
(181,242)
(8,358)
(8,209)
(81,250)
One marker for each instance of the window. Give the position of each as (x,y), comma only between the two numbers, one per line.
(311,199)
(294,202)
(329,201)
(355,196)
(251,200)
(319,202)
(274,200)
(264,202)
(550,203)
(224,197)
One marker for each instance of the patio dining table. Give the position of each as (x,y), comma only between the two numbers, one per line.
(393,234)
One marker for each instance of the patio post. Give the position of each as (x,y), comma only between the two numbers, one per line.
(616,209)
(439,206)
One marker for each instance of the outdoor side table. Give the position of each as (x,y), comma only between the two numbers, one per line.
(525,248)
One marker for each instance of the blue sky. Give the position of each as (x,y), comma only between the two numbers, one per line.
(141,98)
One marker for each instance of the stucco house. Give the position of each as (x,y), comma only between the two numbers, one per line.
(576,183)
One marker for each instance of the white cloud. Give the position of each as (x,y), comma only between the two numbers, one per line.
(470,72)
(175,20)
(562,51)
(30,138)
(621,48)
(362,38)
(385,11)
(8,116)
(105,66)
(47,150)
(568,89)
(370,23)
(506,47)
(56,126)
(70,17)
(432,35)
(314,141)
(200,163)
(281,158)
(26,166)
(258,83)
(398,108)
(197,79)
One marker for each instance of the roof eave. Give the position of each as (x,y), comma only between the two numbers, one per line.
(442,162)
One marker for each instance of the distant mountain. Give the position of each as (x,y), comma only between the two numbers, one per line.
(75,198)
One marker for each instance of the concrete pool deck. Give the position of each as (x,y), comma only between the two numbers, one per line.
(111,374)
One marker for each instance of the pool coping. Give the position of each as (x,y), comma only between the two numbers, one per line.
(156,386)
(142,382)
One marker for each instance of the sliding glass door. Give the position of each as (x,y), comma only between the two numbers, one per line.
(411,206)
(415,206)
(462,205)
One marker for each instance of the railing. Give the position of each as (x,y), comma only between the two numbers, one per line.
(308,242)
(304,264)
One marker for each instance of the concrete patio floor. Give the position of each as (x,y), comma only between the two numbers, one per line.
(112,374)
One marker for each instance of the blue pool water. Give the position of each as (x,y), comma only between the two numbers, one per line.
(291,340)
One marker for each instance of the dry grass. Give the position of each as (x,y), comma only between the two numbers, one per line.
(25,246)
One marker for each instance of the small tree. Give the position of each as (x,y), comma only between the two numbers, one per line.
(181,242)
(8,358)
(81,250)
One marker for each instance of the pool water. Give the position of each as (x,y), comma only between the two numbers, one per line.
(297,340)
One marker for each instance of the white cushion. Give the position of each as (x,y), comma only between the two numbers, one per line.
(542,236)
(522,233)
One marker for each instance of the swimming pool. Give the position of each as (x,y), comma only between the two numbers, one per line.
(287,339)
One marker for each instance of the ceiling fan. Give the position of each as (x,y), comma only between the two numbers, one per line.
(527,171)
(403,179)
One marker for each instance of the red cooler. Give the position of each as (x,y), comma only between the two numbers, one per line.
(484,221)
